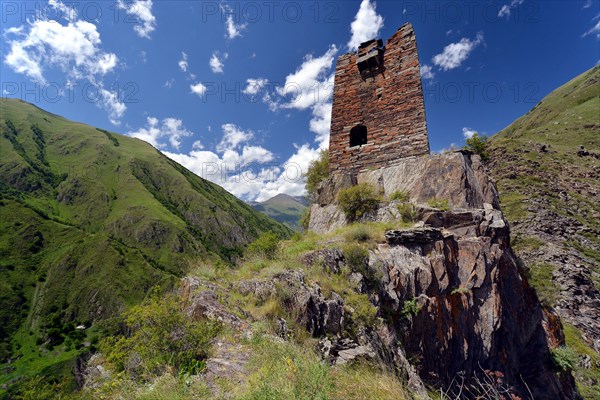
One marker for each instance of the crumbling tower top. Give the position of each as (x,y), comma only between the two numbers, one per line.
(378,112)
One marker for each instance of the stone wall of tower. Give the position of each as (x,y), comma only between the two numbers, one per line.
(388,101)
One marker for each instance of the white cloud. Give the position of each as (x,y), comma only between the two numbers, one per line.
(169,83)
(506,9)
(468,132)
(71,46)
(587,4)
(455,54)
(309,87)
(216,62)
(198,89)
(183,63)
(366,25)
(232,29)
(254,86)
(250,174)
(452,147)
(233,136)
(427,72)
(142,10)
(312,83)
(111,103)
(197,145)
(243,169)
(321,123)
(171,129)
(595,29)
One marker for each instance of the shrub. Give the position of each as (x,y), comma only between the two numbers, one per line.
(440,204)
(358,233)
(410,308)
(160,335)
(364,311)
(400,195)
(478,145)
(266,245)
(564,358)
(305,219)
(358,200)
(407,212)
(356,256)
(318,171)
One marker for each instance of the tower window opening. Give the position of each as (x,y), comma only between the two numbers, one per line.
(358,135)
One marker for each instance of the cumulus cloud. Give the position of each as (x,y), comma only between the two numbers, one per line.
(310,87)
(244,169)
(233,136)
(427,72)
(198,88)
(468,132)
(249,172)
(183,63)
(254,86)
(311,83)
(455,54)
(506,9)
(321,122)
(171,129)
(232,28)
(216,62)
(71,46)
(366,25)
(142,10)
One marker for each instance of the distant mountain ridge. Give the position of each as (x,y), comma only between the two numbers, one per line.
(91,220)
(283,208)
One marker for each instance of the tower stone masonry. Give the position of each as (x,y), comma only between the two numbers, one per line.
(378,112)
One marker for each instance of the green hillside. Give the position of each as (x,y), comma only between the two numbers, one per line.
(283,208)
(89,222)
(547,168)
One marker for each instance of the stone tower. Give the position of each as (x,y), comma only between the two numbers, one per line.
(378,112)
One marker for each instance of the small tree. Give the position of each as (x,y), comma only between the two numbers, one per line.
(357,200)
(266,245)
(318,170)
(478,145)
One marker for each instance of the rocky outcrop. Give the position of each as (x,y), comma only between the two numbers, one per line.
(452,292)
(320,315)
(460,306)
(458,177)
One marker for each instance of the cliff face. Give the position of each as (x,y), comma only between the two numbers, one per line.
(451,291)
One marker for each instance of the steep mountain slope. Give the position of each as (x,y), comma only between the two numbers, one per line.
(547,168)
(283,208)
(90,220)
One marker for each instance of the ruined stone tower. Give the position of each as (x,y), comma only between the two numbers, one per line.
(378,112)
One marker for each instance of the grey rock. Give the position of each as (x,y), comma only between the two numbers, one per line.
(332,260)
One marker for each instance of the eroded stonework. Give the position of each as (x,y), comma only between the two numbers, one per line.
(378,112)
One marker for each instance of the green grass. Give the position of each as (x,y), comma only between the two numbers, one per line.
(588,380)
(540,277)
(440,204)
(526,243)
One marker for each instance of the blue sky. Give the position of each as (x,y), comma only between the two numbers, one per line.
(240,92)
